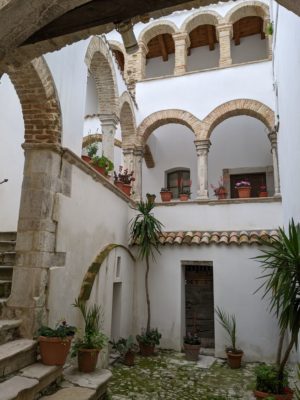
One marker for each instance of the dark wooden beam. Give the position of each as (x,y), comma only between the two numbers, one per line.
(210,37)
(163,47)
(237,38)
(262,33)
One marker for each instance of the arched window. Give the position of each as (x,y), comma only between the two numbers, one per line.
(178,181)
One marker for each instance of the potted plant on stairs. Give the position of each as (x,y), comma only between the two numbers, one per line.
(88,346)
(91,152)
(55,343)
(228,322)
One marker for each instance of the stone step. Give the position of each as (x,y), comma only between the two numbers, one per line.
(30,382)
(5,287)
(8,258)
(16,354)
(9,330)
(7,245)
(73,393)
(8,236)
(6,272)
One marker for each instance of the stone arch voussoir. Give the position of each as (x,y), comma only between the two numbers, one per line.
(247,9)
(201,18)
(100,64)
(251,108)
(163,117)
(39,100)
(127,119)
(157,28)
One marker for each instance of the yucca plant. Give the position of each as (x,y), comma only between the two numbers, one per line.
(228,322)
(145,230)
(280,260)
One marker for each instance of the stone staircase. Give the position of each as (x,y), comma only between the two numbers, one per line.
(7,262)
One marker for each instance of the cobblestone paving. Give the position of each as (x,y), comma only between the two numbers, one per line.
(168,376)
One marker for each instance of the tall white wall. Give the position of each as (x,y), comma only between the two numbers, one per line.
(251,48)
(286,69)
(11,155)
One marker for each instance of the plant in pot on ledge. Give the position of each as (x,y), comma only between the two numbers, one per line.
(220,190)
(166,194)
(55,343)
(91,152)
(228,322)
(184,189)
(127,349)
(102,164)
(280,260)
(123,180)
(88,346)
(243,188)
(191,345)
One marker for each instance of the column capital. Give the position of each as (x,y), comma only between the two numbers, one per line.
(226,27)
(202,146)
(128,150)
(273,139)
(109,120)
(182,36)
(143,48)
(138,151)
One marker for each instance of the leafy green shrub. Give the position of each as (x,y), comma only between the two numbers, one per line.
(150,338)
(267,379)
(124,346)
(92,149)
(61,330)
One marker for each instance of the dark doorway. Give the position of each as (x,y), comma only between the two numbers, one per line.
(199,302)
(256,181)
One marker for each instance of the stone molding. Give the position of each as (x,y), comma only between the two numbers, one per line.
(97,137)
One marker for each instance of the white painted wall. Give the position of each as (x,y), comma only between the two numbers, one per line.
(203,58)
(234,284)
(157,67)
(251,48)
(286,70)
(11,155)
(200,93)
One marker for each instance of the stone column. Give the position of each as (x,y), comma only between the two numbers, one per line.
(273,140)
(108,127)
(181,42)
(141,61)
(36,236)
(224,33)
(202,148)
(138,163)
(128,158)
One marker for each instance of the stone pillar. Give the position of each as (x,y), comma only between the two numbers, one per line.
(273,140)
(181,42)
(224,33)
(269,38)
(128,158)
(141,61)
(108,127)
(36,236)
(138,164)
(202,148)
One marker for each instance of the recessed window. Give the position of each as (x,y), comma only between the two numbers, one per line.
(176,179)
(256,181)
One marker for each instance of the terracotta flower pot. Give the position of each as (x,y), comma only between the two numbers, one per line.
(184,197)
(126,189)
(222,194)
(191,351)
(87,359)
(129,358)
(244,192)
(263,194)
(101,170)
(87,159)
(119,185)
(146,350)
(234,359)
(166,196)
(262,395)
(54,350)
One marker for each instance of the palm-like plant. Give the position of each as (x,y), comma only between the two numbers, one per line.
(229,324)
(281,263)
(145,230)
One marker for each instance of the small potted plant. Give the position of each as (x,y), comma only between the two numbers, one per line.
(102,164)
(151,197)
(147,341)
(127,349)
(263,191)
(88,346)
(165,194)
(184,192)
(268,384)
(191,345)
(123,180)
(91,152)
(228,322)
(243,188)
(55,343)
(185,195)
(220,190)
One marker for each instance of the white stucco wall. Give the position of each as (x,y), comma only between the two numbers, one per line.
(286,69)
(11,155)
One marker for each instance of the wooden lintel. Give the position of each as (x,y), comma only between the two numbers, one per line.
(237,37)
(163,47)
(210,37)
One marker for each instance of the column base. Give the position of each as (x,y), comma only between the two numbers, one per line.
(202,195)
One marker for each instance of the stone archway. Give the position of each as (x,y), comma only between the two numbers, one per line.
(247,9)
(201,18)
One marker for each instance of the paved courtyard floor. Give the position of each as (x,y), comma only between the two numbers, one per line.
(169,376)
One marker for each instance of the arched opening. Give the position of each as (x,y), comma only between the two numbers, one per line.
(119,58)
(160,59)
(240,150)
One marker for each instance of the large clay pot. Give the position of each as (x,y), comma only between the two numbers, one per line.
(191,351)
(129,358)
(87,159)
(146,350)
(184,197)
(166,196)
(126,189)
(119,185)
(263,194)
(244,192)
(87,359)
(234,359)
(262,395)
(222,194)
(101,170)
(54,350)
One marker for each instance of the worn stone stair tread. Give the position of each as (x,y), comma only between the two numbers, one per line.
(6,324)
(92,380)
(13,387)
(15,347)
(39,370)
(73,393)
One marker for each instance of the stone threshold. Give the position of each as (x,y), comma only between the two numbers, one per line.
(212,202)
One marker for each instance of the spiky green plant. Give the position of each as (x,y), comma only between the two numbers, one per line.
(280,260)
(228,322)
(145,230)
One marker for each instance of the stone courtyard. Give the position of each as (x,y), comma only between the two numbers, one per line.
(169,376)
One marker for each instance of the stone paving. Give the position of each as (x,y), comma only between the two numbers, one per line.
(169,376)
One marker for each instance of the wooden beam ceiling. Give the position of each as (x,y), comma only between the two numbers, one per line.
(161,46)
(248,26)
(203,35)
